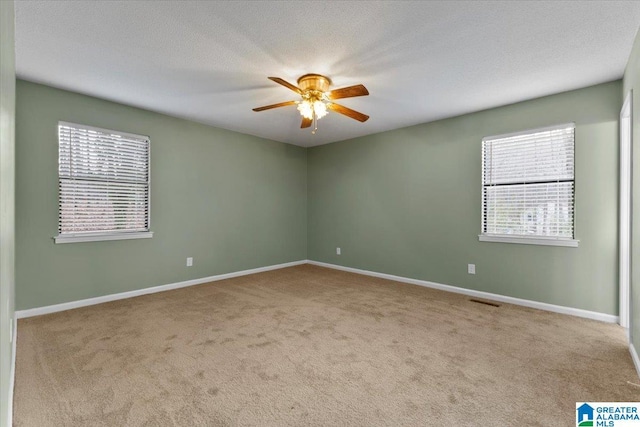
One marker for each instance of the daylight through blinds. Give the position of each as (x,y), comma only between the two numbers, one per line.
(103,179)
(528,184)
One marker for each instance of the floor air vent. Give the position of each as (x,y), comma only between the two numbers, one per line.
(493,304)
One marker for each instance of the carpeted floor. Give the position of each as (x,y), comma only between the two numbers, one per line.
(309,346)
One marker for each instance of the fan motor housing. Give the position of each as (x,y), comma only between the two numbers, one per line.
(314,82)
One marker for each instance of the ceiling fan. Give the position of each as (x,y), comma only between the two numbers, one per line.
(317,99)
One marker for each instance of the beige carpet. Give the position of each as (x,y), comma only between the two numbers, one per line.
(309,346)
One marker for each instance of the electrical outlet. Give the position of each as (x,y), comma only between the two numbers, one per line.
(471,268)
(189,262)
(338,251)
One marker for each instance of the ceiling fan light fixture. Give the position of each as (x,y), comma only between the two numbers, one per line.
(320,108)
(306,109)
(311,109)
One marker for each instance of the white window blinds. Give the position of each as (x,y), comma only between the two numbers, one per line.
(528,183)
(103,179)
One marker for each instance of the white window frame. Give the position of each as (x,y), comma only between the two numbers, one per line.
(111,234)
(519,239)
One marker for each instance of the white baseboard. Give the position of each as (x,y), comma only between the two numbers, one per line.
(609,318)
(12,372)
(38,311)
(636,359)
(603,317)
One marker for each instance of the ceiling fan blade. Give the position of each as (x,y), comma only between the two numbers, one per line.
(281,104)
(348,92)
(286,84)
(348,112)
(305,123)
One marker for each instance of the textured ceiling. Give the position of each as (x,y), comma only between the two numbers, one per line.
(421,61)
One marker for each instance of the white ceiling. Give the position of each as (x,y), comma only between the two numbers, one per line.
(421,61)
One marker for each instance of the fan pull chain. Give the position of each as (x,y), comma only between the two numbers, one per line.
(315,123)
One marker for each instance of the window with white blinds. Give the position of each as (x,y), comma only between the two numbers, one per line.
(528,187)
(103,181)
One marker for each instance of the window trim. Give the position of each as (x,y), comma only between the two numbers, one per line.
(97,236)
(525,240)
(522,239)
(533,130)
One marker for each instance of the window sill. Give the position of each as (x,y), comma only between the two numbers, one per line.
(102,237)
(545,241)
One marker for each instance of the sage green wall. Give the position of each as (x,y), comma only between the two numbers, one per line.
(407,202)
(7,203)
(231,201)
(631,81)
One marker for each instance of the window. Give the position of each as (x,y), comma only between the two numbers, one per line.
(103,181)
(528,187)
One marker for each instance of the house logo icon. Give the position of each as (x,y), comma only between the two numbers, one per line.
(584,416)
